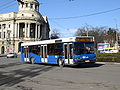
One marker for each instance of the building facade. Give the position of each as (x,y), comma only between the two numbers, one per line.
(26,25)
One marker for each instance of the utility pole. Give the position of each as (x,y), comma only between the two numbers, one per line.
(116,43)
(14,34)
(8,41)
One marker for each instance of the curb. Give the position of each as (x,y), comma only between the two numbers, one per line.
(107,63)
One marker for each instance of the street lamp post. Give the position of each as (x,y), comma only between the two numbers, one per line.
(116,36)
(8,41)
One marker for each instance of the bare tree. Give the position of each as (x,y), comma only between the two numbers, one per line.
(111,36)
(98,32)
(55,34)
(84,31)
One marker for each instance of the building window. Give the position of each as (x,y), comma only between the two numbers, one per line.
(31,5)
(27,25)
(4,26)
(2,42)
(26,4)
(0,26)
(21,31)
(36,7)
(22,5)
(4,34)
(22,14)
(32,30)
(0,34)
(9,25)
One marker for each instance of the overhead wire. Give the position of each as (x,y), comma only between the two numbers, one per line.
(75,17)
(87,15)
(56,23)
(4,1)
(72,17)
(62,18)
(4,6)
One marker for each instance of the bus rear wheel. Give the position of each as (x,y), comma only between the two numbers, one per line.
(32,60)
(60,62)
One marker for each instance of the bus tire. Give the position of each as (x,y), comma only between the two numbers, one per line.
(32,60)
(60,62)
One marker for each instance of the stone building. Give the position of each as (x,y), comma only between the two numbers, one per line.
(26,25)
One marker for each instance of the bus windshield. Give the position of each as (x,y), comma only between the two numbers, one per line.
(83,48)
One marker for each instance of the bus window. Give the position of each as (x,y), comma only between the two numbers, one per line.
(58,49)
(45,51)
(78,48)
(71,47)
(26,52)
(68,51)
(50,49)
(41,50)
(55,49)
(83,48)
(34,49)
(89,47)
(22,49)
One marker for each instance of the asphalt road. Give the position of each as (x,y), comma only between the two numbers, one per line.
(15,75)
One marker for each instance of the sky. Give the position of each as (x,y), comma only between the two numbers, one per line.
(66,16)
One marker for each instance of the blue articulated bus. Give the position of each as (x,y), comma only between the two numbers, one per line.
(63,51)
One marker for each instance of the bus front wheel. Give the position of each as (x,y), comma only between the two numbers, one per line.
(60,62)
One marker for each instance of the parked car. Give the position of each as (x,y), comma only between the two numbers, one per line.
(12,55)
(109,50)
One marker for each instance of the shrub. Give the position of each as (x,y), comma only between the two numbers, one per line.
(108,57)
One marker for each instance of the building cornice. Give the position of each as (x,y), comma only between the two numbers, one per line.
(20,18)
(6,19)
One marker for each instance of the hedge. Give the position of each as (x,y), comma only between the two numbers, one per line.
(108,57)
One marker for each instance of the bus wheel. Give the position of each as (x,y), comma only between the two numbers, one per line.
(32,60)
(60,62)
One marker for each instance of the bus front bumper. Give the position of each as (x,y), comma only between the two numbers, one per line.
(85,61)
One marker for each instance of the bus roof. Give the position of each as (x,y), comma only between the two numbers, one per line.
(60,40)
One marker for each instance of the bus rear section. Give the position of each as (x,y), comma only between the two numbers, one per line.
(47,53)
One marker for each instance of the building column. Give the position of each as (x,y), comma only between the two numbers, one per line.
(28,32)
(25,30)
(15,30)
(18,29)
(41,32)
(36,31)
(2,31)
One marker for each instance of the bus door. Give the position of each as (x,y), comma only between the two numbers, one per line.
(44,54)
(68,53)
(26,54)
